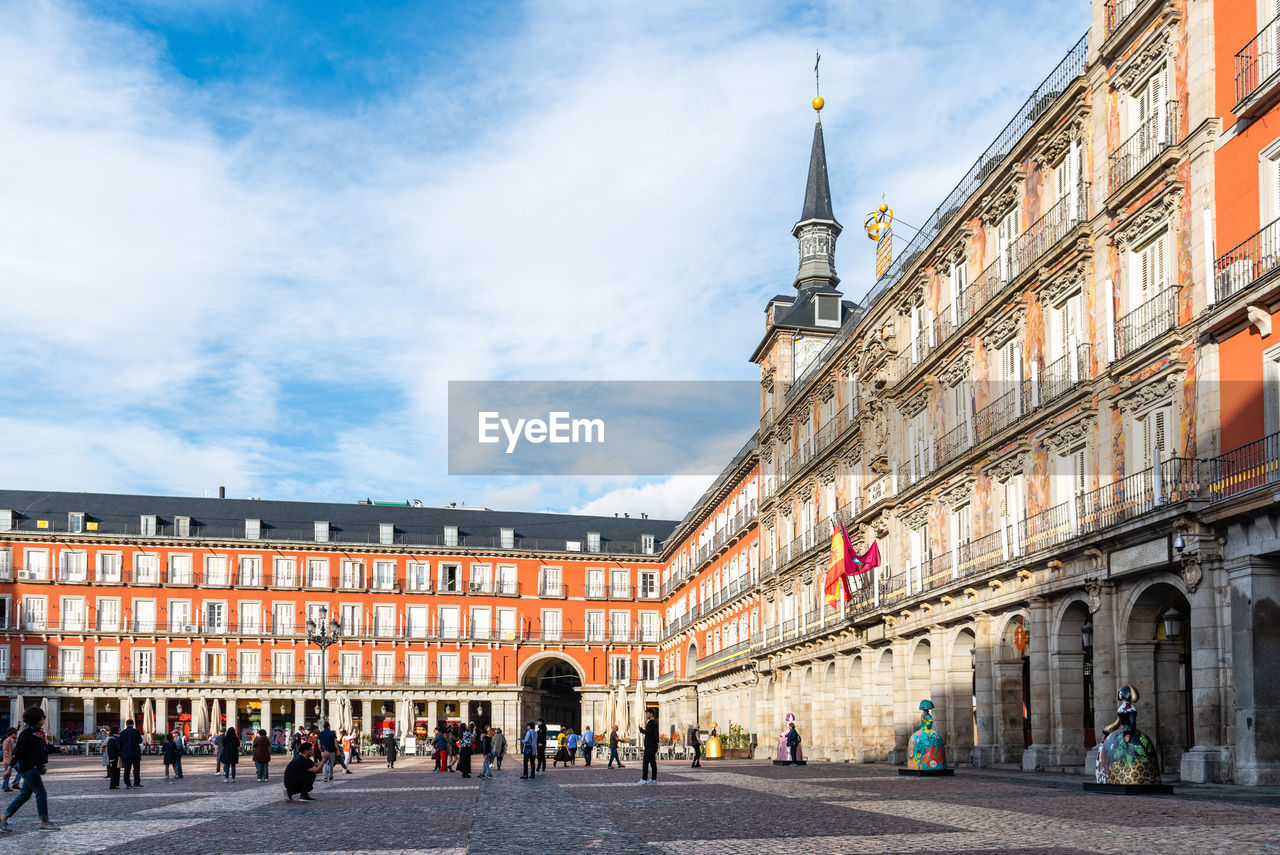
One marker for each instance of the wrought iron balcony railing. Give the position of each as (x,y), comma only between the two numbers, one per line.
(1257,63)
(1154,134)
(1251,261)
(1249,467)
(1117,11)
(1147,321)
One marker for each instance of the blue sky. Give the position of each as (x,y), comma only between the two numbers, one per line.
(249,244)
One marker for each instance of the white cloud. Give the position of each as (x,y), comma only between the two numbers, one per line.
(669,499)
(606,194)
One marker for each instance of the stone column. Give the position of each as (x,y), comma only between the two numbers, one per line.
(433,715)
(1068,709)
(54,712)
(229,709)
(1040,753)
(299,713)
(90,715)
(266,715)
(905,713)
(1255,648)
(984,657)
(1209,760)
(162,716)
(366,717)
(1106,666)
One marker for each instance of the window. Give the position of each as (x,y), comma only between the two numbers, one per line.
(215,570)
(479,669)
(386,533)
(506,583)
(1007,233)
(146,568)
(447,663)
(507,538)
(6,520)
(961,531)
(1064,322)
(648,585)
(35,613)
(480,623)
(419,575)
(74,566)
(620,584)
(451,535)
(317,573)
(322,532)
(349,667)
(450,622)
(315,666)
(108,664)
(507,624)
(648,626)
(1011,494)
(285,573)
(250,662)
(619,626)
(37,564)
(1149,273)
(384,668)
(481,579)
(6,606)
(1151,431)
(384,575)
(179,569)
(647,544)
(182,526)
(551,584)
(144,616)
(593,541)
(251,618)
(416,667)
(450,577)
(75,523)
(147,526)
(649,668)
(180,616)
(250,571)
(595,582)
(282,667)
(384,621)
(252,529)
(6,563)
(144,662)
(351,574)
(109,615)
(215,617)
(180,664)
(550,624)
(620,669)
(595,626)
(1150,118)
(349,619)
(282,618)
(1268,195)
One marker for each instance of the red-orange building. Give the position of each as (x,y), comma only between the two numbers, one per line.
(443,614)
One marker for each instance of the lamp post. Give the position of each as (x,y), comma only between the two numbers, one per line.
(323,635)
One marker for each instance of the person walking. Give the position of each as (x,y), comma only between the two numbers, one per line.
(440,745)
(650,761)
(453,749)
(793,742)
(111,753)
(169,753)
(6,755)
(345,739)
(30,757)
(528,748)
(300,773)
(499,748)
(588,745)
(389,747)
(261,754)
(695,742)
(562,751)
(131,754)
(180,740)
(572,745)
(613,748)
(229,754)
(466,747)
(329,750)
(296,743)
(355,747)
(486,748)
(542,747)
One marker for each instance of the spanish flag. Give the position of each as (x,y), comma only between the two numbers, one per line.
(840,566)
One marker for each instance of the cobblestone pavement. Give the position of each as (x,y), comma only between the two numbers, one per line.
(725,808)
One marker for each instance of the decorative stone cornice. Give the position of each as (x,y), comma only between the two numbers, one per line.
(766,377)
(1141,64)
(827,476)
(1053,146)
(999,330)
(1061,282)
(1070,433)
(917,516)
(916,402)
(1006,467)
(827,390)
(957,493)
(996,205)
(1150,216)
(956,370)
(1159,389)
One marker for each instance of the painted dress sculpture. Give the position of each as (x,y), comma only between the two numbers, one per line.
(1127,755)
(925,749)
(784,753)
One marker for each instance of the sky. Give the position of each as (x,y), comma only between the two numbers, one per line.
(249,244)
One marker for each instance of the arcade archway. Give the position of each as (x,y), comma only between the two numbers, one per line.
(552,692)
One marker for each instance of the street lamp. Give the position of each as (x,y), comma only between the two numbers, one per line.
(323,636)
(1172,624)
(1086,636)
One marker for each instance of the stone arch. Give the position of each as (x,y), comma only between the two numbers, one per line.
(540,659)
(1071,676)
(691,659)
(961,702)
(883,733)
(1011,684)
(551,689)
(1158,666)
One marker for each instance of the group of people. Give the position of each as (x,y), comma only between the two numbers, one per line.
(453,747)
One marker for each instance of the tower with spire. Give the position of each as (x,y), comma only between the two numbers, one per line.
(817,228)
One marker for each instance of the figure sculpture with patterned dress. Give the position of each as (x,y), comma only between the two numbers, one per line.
(1127,761)
(784,751)
(926,755)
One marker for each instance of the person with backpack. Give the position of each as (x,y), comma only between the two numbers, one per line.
(486,748)
(261,754)
(30,757)
(229,755)
(296,742)
(111,754)
(695,742)
(793,742)
(588,745)
(169,753)
(562,750)
(528,748)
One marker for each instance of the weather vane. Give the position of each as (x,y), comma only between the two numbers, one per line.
(879,226)
(817,82)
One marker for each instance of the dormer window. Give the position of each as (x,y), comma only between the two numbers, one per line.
(6,520)
(507,538)
(322,531)
(451,535)
(147,525)
(182,526)
(826,310)
(386,533)
(593,541)
(252,529)
(646,544)
(75,523)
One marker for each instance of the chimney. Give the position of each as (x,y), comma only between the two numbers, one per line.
(222,492)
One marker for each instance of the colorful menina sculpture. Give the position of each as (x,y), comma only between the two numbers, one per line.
(1127,755)
(784,753)
(925,750)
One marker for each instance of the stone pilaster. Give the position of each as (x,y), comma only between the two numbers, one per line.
(1040,752)
(1255,644)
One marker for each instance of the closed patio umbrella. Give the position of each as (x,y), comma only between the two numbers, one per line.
(148,720)
(215,717)
(640,719)
(620,710)
(202,720)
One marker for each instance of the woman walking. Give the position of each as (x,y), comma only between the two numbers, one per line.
(562,750)
(486,746)
(229,754)
(261,754)
(169,753)
(466,747)
(30,754)
(499,747)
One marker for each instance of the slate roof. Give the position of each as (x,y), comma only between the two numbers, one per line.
(817,191)
(120,514)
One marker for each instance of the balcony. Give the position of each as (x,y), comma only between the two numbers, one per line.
(1155,134)
(1249,263)
(998,415)
(1053,226)
(1118,11)
(1145,323)
(951,445)
(1064,373)
(1257,69)
(1243,469)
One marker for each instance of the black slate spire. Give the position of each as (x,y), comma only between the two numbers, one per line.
(817,192)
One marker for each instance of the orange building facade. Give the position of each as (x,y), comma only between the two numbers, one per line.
(442,614)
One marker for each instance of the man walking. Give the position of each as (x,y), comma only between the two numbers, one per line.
(613,748)
(30,754)
(650,761)
(261,754)
(111,751)
(542,747)
(181,742)
(528,747)
(390,748)
(588,745)
(499,747)
(131,754)
(695,742)
(328,749)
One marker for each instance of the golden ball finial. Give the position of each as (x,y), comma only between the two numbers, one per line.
(883,207)
(818,102)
